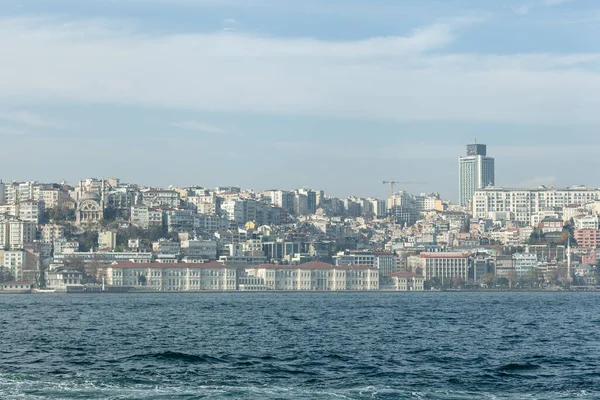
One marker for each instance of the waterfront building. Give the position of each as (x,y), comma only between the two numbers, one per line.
(404,282)
(316,275)
(16,287)
(172,276)
(61,278)
(447,267)
(524,264)
(475,171)
(251,284)
(14,261)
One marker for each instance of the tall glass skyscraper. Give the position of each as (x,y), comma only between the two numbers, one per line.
(475,171)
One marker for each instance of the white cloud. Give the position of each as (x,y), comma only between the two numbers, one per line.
(198,127)
(392,78)
(539,181)
(556,2)
(25,118)
(230,21)
(522,10)
(9,131)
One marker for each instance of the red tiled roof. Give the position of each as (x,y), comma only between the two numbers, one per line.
(130,264)
(313,265)
(404,275)
(444,255)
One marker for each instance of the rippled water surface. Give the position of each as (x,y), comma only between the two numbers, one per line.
(301,346)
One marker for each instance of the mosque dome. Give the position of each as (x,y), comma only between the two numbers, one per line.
(90,196)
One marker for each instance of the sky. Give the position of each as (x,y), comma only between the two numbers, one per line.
(336,95)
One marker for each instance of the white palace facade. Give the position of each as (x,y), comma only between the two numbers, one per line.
(172,276)
(315,275)
(213,276)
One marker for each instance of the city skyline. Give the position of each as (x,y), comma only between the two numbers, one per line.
(385,87)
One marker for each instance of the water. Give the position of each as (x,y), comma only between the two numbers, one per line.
(301,346)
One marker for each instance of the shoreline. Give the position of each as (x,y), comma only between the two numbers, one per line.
(301,291)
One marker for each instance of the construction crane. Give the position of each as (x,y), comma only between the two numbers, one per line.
(392,185)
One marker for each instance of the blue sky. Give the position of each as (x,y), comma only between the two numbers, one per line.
(334,95)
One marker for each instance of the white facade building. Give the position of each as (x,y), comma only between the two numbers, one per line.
(386,263)
(526,204)
(404,282)
(13,262)
(316,275)
(199,249)
(445,266)
(145,217)
(14,233)
(172,276)
(161,198)
(163,246)
(475,171)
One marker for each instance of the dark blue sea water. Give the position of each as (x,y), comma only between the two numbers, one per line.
(301,346)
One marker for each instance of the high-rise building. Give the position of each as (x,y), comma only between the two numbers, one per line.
(475,171)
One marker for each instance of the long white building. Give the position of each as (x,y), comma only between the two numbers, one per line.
(172,276)
(523,205)
(315,275)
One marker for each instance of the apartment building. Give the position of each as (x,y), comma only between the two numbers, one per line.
(524,204)
(15,233)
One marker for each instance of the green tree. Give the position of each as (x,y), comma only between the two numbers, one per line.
(88,240)
(142,280)
(503,282)
(6,275)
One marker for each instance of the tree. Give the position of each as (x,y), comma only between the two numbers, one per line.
(92,269)
(537,237)
(88,240)
(6,275)
(488,279)
(503,282)
(75,263)
(142,280)
(59,214)
(433,283)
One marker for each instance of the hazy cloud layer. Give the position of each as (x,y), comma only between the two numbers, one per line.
(399,78)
